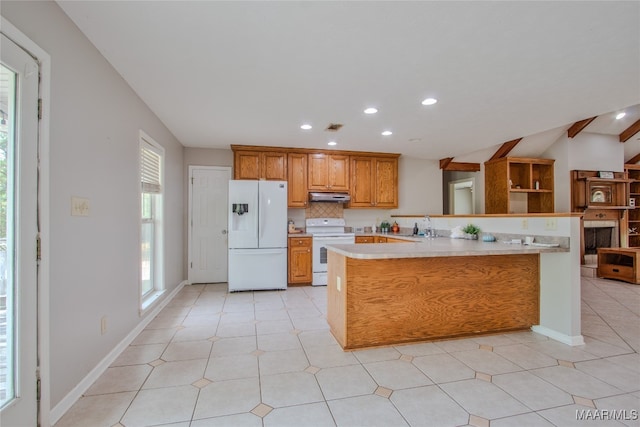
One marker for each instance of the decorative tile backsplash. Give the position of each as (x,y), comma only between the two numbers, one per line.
(324,210)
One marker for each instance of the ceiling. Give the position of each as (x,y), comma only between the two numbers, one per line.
(219,73)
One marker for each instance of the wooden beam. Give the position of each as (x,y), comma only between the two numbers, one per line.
(630,131)
(577,127)
(445,162)
(632,161)
(505,149)
(462,167)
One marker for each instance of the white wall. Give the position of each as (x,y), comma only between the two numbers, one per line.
(94,124)
(592,151)
(586,151)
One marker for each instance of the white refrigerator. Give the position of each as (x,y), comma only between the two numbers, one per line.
(257,235)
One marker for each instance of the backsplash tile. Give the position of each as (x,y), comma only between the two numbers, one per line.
(324,210)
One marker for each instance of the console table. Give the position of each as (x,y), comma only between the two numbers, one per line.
(619,264)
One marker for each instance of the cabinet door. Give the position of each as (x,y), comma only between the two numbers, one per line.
(300,260)
(386,183)
(338,172)
(274,166)
(362,184)
(297,180)
(318,178)
(246,165)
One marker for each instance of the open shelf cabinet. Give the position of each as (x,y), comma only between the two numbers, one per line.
(633,219)
(519,185)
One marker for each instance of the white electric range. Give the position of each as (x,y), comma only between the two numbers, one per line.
(325,231)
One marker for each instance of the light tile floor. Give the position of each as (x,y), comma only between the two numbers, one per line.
(265,359)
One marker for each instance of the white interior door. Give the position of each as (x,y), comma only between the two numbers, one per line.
(208,231)
(18,234)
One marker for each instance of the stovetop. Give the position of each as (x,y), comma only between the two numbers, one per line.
(326,226)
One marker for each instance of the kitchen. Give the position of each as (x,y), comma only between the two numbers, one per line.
(83,128)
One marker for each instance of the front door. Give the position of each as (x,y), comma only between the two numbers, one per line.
(18,236)
(208,224)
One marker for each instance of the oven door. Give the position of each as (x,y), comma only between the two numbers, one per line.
(320,255)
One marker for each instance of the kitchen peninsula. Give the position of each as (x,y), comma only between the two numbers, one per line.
(427,289)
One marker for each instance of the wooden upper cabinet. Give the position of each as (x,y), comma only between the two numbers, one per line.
(518,185)
(328,172)
(386,189)
(268,165)
(374,182)
(297,180)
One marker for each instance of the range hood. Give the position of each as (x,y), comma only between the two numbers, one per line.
(329,197)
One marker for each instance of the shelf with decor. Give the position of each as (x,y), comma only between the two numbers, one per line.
(519,185)
(633,218)
(592,190)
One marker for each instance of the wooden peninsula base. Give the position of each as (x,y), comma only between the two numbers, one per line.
(374,302)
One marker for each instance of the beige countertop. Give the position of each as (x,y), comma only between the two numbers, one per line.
(299,235)
(420,247)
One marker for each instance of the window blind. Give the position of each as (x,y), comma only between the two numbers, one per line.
(150,170)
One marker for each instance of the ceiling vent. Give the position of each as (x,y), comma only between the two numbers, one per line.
(334,127)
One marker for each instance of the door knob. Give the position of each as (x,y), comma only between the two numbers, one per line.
(224,231)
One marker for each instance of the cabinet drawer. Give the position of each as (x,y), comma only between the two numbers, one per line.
(299,242)
(613,271)
(365,239)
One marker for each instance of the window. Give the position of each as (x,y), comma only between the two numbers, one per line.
(151,168)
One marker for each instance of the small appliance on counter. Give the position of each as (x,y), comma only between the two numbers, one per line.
(257,235)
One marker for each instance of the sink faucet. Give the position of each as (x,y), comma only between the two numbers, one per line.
(428,231)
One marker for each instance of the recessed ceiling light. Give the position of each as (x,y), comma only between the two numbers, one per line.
(332,143)
(387,133)
(429,101)
(306,126)
(371,110)
(620,115)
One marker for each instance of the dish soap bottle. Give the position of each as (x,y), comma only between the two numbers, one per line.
(415,229)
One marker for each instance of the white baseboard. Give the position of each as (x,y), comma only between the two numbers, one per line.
(76,393)
(557,336)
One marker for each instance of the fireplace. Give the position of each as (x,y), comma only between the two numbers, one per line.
(600,234)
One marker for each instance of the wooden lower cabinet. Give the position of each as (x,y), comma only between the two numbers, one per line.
(379,239)
(382,302)
(300,261)
(394,240)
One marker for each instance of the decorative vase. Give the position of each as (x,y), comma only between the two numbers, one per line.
(468,236)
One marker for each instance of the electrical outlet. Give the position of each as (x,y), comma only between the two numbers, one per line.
(79,206)
(551,224)
(525,223)
(103,325)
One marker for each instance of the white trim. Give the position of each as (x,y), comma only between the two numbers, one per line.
(557,336)
(76,393)
(189,213)
(44,59)
(146,302)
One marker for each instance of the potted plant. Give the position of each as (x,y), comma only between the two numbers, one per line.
(384,226)
(471,232)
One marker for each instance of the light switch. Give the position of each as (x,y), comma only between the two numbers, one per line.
(79,206)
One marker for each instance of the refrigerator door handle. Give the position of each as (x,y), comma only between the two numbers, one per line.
(261,208)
